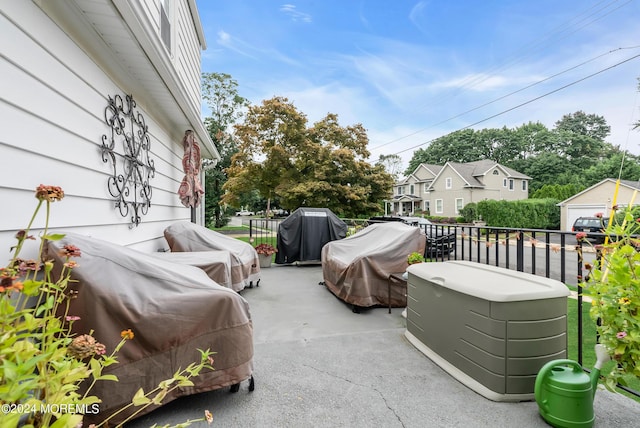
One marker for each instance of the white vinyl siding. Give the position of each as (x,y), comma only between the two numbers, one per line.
(52,136)
(187,52)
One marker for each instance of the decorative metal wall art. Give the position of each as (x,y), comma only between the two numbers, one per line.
(127,150)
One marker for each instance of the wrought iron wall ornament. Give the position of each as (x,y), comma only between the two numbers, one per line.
(127,150)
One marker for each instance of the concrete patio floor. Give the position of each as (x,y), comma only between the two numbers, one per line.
(317,364)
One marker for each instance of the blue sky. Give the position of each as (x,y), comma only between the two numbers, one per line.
(412,71)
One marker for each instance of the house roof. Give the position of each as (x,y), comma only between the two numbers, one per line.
(433,169)
(121,35)
(470,172)
(473,172)
(633,185)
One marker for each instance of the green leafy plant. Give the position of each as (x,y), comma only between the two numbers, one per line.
(613,283)
(414,258)
(46,371)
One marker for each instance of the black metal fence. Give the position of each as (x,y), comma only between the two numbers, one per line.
(550,253)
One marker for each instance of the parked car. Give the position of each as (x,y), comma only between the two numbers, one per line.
(245,213)
(594,227)
(440,241)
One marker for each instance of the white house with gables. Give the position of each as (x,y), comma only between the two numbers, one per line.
(445,190)
(79,79)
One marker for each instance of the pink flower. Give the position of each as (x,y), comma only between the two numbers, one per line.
(70,251)
(49,193)
(72,318)
(621,334)
(599,215)
(581,235)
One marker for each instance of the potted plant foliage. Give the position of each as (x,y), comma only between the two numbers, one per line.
(265,253)
(414,258)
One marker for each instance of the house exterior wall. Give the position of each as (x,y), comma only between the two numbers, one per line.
(52,99)
(596,199)
(442,201)
(448,195)
(497,181)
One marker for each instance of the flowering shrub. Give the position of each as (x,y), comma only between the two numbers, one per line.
(42,364)
(614,286)
(266,249)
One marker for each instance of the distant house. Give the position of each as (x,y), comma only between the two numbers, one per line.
(597,199)
(68,68)
(445,190)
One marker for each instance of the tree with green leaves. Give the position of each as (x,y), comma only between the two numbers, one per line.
(220,92)
(319,166)
(581,138)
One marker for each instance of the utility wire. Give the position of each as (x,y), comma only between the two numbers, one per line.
(539,45)
(504,96)
(530,101)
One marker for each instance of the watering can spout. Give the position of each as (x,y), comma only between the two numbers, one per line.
(602,356)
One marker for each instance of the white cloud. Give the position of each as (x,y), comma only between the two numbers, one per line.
(226,40)
(416,15)
(295,15)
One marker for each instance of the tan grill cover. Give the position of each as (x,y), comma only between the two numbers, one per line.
(173,310)
(356,269)
(216,264)
(185,236)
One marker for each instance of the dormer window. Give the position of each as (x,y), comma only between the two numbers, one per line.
(495,172)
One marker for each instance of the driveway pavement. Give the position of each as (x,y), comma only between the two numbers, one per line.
(317,364)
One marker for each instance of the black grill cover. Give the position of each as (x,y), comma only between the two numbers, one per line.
(302,235)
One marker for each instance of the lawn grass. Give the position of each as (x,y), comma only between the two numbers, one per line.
(231,229)
(589,343)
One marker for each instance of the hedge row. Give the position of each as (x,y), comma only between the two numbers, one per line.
(525,213)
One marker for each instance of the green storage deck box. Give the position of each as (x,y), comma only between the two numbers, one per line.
(489,327)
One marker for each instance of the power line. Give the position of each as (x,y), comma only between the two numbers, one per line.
(530,101)
(529,48)
(505,96)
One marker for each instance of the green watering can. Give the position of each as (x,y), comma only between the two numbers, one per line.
(564,392)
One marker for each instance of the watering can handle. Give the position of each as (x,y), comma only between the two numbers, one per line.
(544,371)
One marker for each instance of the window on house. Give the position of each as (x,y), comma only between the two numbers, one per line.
(495,172)
(511,184)
(426,206)
(504,182)
(426,186)
(400,190)
(448,183)
(459,205)
(165,23)
(524,185)
(439,206)
(411,190)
